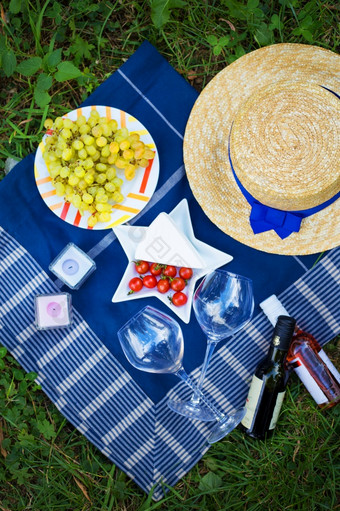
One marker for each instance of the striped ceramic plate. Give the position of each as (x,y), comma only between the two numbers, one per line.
(137,192)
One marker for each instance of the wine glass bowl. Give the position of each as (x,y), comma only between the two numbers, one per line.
(152,342)
(223,304)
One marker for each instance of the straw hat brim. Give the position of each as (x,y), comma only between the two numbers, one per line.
(206,145)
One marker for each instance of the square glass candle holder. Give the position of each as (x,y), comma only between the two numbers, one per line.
(72,266)
(53,311)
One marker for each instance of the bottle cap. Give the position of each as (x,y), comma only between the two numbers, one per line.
(273,308)
(283,332)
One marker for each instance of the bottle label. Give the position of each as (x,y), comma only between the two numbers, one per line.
(310,384)
(253,399)
(276,411)
(330,365)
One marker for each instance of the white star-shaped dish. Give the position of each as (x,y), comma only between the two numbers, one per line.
(132,239)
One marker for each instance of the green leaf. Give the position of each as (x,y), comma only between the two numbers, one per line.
(67,71)
(252,4)
(212,39)
(217,49)
(307,35)
(263,35)
(46,429)
(41,97)
(54,58)
(210,481)
(9,62)
(2,364)
(44,82)
(18,374)
(15,6)
(30,66)
(31,376)
(3,352)
(161,10)
(224,41)
(275,23)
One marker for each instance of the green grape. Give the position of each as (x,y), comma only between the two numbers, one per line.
(88,139)
(128,154)
(79,171)
(82,154)
(97,131)
(96,156)
(110,187)
(67,154)
(104,217)
(88,163)
(65,172)
(148,154)
(59,123)
(84,129)
(100,179)
(81,120)
(111,173)
(60,189)
(107,131)
(66,133)
(124,132)
(54,172)
(113,124)
(118,182)
(68,123)
(121,163)
(94,114)
(112,159)
(76,201)
(143,162)
(87,197)
(89,178)
(125,144)
(92,220)
(48,124)
(92,190)
(117,197)
(101,141)
(105,152)
(91,150)
(77,144)
(101,167)
(82,184)
(73,180)
(102,198)
(91,122)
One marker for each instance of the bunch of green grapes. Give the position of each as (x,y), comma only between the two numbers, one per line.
(83,156)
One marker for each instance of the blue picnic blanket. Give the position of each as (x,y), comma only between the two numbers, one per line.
(121,410)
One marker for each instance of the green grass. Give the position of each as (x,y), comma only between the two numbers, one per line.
(44,462)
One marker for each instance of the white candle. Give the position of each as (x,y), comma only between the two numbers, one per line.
(72,266)
(53,311)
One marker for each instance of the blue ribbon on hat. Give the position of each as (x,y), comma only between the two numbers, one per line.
(265,218)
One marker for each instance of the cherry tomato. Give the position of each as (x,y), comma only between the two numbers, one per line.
(178,284)
(179,299)
(150,281)
(163,285)
(185,273)
(135,285)
(170,271)
(156,269)
(142,266)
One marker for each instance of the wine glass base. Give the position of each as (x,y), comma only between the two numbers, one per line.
(226,425)
(191,410)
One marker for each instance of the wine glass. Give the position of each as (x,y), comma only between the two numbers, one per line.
(223,305)
(153,342)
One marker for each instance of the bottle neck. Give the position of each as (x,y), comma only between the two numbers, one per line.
(276,354)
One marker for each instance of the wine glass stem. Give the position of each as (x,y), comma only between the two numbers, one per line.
(183,376)
(211,345)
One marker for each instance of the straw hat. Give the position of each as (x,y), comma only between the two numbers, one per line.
(268,126)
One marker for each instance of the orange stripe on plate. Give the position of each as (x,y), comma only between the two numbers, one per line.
(138,197)
(120,220)
(108,112)
(65,210)
(126,208)
(77,219)
(79,112)
(43,180)
(93,107)
(146,177)
(122,119)
(48,194)
(56,206)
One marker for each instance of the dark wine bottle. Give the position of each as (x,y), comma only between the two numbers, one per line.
(268,385)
